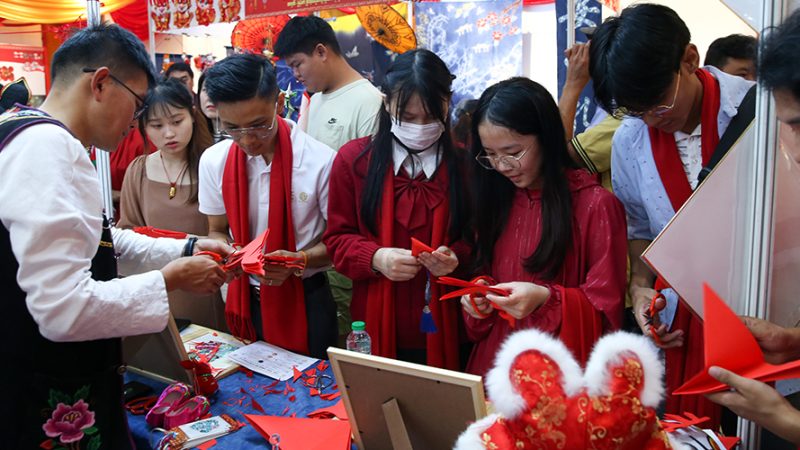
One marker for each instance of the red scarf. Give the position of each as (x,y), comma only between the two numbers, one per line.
(442,346)
(683,362)
(665,150)
(283,308)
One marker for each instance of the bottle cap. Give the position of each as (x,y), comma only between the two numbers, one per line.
(359,326)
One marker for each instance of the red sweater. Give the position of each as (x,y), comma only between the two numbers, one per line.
(352,246)
(596,263)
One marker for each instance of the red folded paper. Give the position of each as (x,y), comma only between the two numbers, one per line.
(159,233)
(730,345)
(418,247)
(329,412)
(472,288)
(303,434)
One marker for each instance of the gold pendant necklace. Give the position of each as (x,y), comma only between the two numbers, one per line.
(173,185)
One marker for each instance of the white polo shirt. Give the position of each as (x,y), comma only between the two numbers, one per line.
(311,169)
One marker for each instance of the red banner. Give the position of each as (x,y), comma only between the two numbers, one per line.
(21,54)
(256,8)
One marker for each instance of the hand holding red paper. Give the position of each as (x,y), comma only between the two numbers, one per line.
(439,262)
(197,274)
(756,401)
(474,293)
(396,264)
(730,345)
(280,265)
(521,300)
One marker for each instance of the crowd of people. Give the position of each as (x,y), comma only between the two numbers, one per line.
(507,196)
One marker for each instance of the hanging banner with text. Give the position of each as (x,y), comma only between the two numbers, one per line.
(18,61)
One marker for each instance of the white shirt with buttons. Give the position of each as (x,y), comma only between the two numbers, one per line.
(311,169)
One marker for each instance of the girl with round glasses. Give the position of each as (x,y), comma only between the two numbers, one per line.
(547,232)
(405,181)
(160,188)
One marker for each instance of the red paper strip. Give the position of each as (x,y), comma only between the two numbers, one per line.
(473,287)
(254,404)
(332,396)
(207,445)
(159,233)
(285,410)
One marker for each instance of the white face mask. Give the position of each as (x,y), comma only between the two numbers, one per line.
(415,136)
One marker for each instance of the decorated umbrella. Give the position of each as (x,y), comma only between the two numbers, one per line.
(258,35)
(388,27)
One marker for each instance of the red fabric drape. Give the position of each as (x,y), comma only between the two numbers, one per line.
(133,18)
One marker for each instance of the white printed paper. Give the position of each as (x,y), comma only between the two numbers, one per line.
(270,360)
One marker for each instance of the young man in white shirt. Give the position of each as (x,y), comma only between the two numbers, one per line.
(271,175)
(64,307)
(344,106)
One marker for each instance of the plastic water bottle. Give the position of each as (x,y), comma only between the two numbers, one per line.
(358,340)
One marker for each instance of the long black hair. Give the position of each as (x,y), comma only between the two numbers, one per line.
(525,107)
(172,92)
(418,72)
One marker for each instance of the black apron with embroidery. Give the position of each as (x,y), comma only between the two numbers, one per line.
(55,394)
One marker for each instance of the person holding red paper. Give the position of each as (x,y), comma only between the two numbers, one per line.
(548,232)
(674,115)
(778,70)
(406,181)
(270,175)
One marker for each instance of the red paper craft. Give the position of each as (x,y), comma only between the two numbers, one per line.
(297,374)
(254,256)
(473,287)
(418,247)
(336,410)
(159,233)
(304,434)
(730,345)
(677,422)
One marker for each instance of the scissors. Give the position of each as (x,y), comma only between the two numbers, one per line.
(472,288)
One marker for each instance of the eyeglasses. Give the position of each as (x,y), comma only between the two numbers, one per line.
(503,161)
(142,105)
(259,132)
(657,111)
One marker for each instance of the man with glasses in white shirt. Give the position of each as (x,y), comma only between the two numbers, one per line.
(645,69)
(270,175)
(64,309)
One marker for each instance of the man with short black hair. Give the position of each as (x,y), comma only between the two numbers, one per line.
(64,307)
(183,73)
(270,175)
(676,113)
(734,54)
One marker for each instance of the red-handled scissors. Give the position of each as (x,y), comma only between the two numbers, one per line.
(472,288)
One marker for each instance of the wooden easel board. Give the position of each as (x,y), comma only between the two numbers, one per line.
(158,355)
(436,404)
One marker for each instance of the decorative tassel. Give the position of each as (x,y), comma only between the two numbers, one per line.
(427,325)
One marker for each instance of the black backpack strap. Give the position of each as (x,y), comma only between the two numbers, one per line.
(744,116)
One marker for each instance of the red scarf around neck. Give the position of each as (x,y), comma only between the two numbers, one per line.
(665,150)
(442,346)
(283,309)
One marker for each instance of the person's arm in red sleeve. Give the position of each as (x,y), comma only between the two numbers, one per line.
(349,249)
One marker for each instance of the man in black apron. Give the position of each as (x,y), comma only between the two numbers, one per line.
(63,308)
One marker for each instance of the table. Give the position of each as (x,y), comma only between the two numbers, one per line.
(230,400)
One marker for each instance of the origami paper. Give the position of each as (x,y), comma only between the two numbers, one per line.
(730,345)
(418,247)
(336,410)
(303,434)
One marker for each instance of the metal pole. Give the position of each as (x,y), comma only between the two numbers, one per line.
(758,261)
(102,160)
(570,23)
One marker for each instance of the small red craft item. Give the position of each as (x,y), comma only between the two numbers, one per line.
(254,257)
(159,233)
(652,311)
(730,345)
(473,288)
(418,247)
(204,382)
(336,410)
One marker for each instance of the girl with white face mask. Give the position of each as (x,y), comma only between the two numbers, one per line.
(406,181)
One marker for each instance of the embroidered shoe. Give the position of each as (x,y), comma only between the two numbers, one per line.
(193,409)
(171,398)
